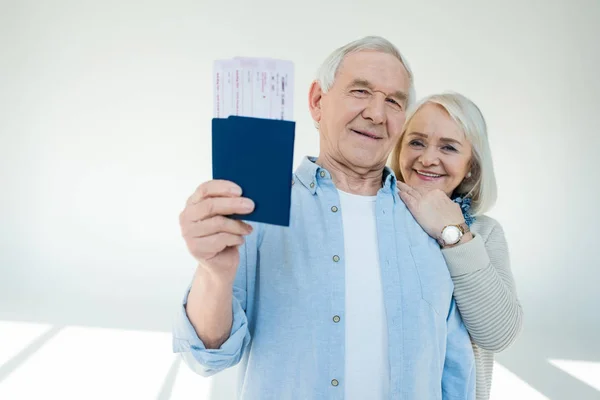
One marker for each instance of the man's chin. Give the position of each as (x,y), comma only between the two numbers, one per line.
(369,165)
(365,160)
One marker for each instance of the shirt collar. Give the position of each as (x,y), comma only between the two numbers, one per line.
(309,174)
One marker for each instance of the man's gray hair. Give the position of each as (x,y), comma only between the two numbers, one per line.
(328,70)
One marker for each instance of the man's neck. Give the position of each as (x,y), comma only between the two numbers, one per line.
(354,180)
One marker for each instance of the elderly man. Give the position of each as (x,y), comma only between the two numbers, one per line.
(353,300)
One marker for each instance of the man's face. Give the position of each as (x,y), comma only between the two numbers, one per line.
(361,116)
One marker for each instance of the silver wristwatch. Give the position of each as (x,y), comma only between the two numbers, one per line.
(451,234)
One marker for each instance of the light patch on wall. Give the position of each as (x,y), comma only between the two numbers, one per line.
(507,385)
(16,336)
(189,385)
(91,363)
(585,371)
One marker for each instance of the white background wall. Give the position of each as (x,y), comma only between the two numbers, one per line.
(105,112)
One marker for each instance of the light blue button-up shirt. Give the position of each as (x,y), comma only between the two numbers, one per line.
(288,330)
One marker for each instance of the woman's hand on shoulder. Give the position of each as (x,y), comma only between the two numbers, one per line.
(432,209)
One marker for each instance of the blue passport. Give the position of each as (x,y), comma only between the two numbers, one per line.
(257,154)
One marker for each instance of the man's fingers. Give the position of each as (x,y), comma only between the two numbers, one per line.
(214,188)
(211,207)
(209,246)
(216,225)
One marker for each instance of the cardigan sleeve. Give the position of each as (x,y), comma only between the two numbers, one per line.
(484,289)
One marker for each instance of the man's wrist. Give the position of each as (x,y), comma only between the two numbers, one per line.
(212,279)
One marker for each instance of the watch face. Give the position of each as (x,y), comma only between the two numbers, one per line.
(451,235)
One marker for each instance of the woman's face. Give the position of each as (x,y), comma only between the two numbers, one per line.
(434,153)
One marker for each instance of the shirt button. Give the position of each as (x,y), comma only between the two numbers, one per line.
(334,209)
(312,185)
(322,174)
(334,382)
(293,182)
(336,258)
(336,318)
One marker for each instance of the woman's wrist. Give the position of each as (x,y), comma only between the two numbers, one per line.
(466,238)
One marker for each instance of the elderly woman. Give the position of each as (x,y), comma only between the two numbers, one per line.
(446,178)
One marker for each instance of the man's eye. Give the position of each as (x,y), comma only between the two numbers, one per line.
(395,103)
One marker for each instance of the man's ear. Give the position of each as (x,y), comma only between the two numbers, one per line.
(314,101)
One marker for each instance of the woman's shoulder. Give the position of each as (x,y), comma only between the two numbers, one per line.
(484,225)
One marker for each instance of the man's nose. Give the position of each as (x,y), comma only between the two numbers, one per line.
(375,110)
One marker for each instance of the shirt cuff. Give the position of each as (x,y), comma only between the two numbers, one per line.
(467,257)
(186,340)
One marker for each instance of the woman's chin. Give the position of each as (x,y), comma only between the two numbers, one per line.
(426,185)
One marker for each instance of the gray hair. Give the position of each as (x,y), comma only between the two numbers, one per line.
(481,186)
(327,72)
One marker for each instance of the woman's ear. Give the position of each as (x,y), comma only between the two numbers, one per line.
(471,168)
(314,101)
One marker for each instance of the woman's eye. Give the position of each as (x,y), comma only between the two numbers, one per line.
(449,148)
(416,143)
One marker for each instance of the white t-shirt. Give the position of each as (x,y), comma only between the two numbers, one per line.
(367,363)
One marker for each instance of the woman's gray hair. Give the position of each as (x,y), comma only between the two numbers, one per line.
(481,185)
(327,72)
